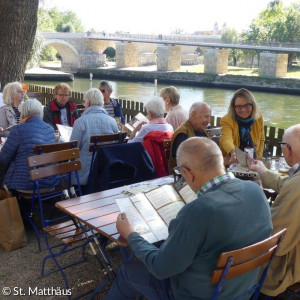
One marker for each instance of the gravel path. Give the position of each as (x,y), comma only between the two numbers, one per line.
(20,269)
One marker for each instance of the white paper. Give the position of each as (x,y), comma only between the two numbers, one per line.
(162,196)
(187,194)
(65,132)
(170,211)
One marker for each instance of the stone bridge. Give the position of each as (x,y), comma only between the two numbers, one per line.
(85,50)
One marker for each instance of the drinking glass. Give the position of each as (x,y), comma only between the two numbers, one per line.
(56,136)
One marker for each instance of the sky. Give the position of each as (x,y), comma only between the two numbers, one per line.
(162,16)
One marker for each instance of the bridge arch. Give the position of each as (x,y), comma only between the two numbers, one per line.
(69,55)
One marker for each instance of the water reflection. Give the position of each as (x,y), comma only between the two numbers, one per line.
(278,110)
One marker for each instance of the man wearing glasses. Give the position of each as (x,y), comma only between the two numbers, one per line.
(112,106)
(285,268)
(60,110)
(228,214)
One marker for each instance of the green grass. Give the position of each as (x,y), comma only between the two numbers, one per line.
(293,72)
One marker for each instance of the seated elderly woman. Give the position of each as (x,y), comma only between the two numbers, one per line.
(13,95)
(19,145)
(94,121)
(176,114)
(155,108)
(243,126)
(61,110)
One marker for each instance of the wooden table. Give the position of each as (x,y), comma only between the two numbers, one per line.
(99,211)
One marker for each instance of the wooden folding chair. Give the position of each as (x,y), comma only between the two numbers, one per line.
(238,262)
(63,228)
(104,140)
(39,149)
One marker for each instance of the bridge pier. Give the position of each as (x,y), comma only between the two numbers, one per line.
(168,58)
(90,59)
(216,61)
(273,64)
(126,55)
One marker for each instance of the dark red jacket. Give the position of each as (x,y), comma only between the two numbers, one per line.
(153,142)
(52,113)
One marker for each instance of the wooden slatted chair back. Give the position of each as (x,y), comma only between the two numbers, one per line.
(167,146)
(46,148)
(53,163)
(247,258)
(237,262)
(105,140)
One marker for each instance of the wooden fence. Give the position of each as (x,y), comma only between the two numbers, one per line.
(131,108)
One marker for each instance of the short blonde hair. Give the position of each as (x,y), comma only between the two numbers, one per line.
(94,96)
(248,96)
(62,86)
(9,90)
(31,107)
(172,93)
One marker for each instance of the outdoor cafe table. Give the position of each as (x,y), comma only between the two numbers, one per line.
(99,211)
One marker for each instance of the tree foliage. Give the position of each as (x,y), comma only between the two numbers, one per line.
(52,20)
(231,36)
(275,24)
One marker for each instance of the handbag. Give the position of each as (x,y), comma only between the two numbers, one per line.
(12,231)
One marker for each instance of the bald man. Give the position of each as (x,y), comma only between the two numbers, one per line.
(228,214)
(199,119)
(285,268)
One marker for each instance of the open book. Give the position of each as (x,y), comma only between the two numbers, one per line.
(135,121)
(65,132)
(152,212)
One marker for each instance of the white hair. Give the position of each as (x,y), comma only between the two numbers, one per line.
(9,90)
(197,107)
(156,106)
(94,96)
(31,107)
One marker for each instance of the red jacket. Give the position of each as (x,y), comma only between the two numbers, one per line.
(153,142)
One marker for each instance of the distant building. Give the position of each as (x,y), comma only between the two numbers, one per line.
(218,31)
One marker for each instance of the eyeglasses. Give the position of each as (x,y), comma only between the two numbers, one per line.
(285,144)
(240,107)
(63,95)
(102,91)
(177,169)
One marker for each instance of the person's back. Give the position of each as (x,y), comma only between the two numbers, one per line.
(230,216)
(19,146)
(94,121)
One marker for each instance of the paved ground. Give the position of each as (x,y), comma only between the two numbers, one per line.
(21,269)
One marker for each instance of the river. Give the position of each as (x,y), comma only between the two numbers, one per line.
(278,110)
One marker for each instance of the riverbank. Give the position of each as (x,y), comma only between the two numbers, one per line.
(47,75)
(227,81)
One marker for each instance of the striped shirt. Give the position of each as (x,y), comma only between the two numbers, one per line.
(17,113)
(214,182)
(109,108)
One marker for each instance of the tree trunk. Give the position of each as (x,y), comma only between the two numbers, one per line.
(18,23)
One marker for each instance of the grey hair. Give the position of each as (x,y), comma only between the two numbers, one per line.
(31,107)
(200,153)
(198,106)
(94,96)
(9,90)
(172,93)
(107,85)
(156,106)
(248,96)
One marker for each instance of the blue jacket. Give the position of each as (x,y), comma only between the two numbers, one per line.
(94,121)
(118,110)
(18,146)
